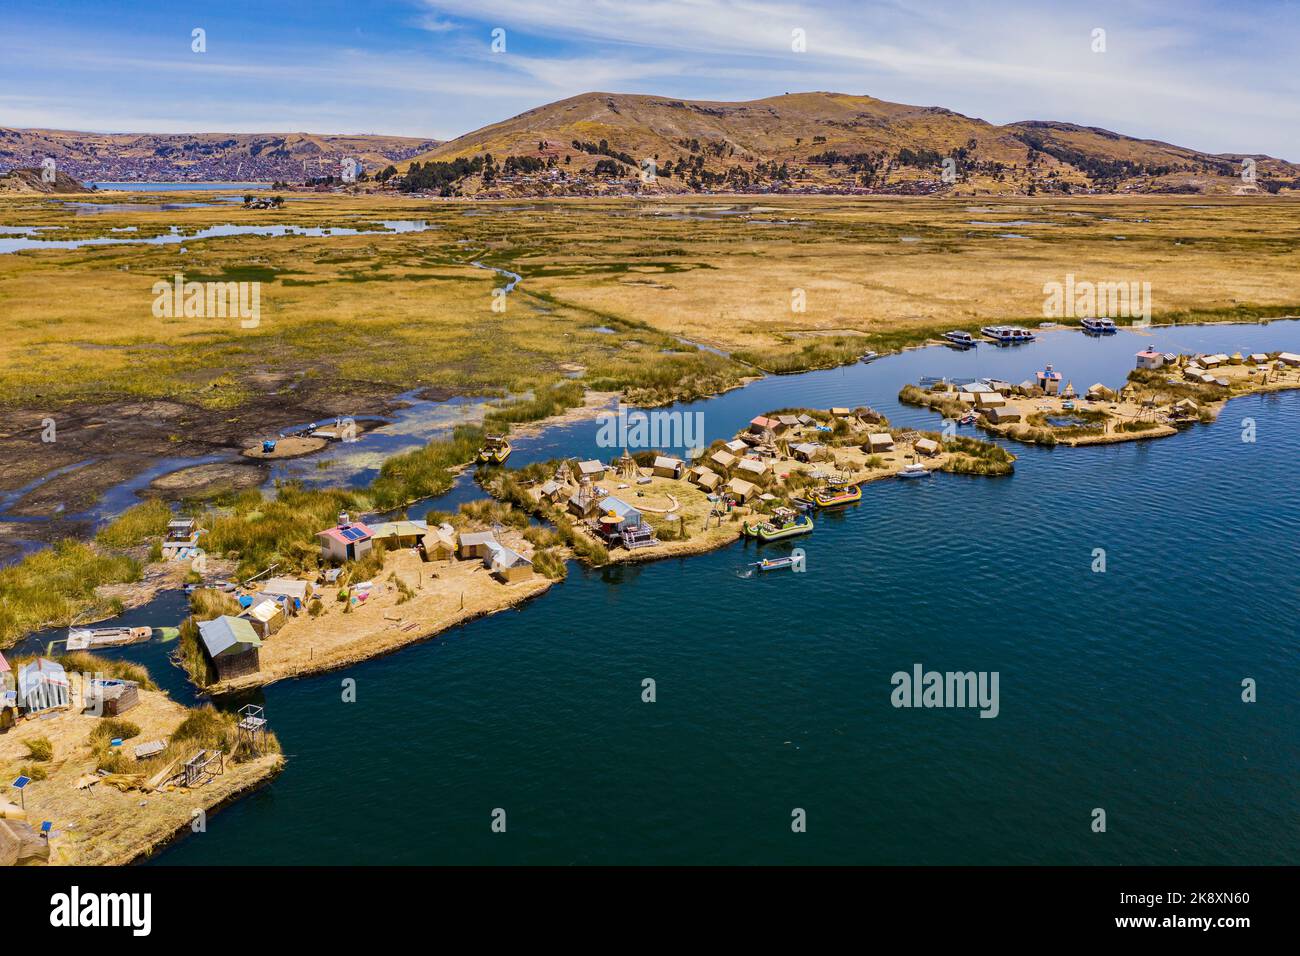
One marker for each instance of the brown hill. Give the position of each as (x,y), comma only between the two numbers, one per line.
(830,141)
(201,156)
(29,180)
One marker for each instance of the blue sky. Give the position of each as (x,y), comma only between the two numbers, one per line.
(1212,75)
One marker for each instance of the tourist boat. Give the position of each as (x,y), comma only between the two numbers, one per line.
(832,496)
(89,638)
(960,340)
(1099,326)
(784,523)
(914,470)
(968,419)
(870,356)
(774,564)
(496,449)
(1008,334)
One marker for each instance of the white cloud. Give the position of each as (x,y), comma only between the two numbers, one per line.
(1188,74)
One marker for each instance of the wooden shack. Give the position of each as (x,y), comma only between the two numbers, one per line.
(741,490)
(665,467)
(231,645)
(111,698)
(477,544)
(878,442)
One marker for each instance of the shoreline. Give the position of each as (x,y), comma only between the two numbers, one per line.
(1121,415)
(130,810)
(381,635)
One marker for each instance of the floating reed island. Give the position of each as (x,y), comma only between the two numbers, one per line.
(649,505)
(372,588)
(1166,392)
(114,766)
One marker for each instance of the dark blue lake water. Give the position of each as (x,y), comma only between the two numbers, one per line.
(1118,690)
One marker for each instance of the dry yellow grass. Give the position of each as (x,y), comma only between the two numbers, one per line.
(445,594)
(404,310)
(103,826)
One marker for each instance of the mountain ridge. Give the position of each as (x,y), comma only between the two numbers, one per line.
(598,143)
(200,156)
(831,141)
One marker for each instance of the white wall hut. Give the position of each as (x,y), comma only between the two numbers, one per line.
(42,685)
(346,541)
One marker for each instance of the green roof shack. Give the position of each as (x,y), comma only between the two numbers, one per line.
(232,646)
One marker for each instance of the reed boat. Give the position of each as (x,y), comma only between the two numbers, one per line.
(784,523)
(89,638)
(833,496)
(496,449)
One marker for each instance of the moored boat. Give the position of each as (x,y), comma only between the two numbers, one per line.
(961,340)
(1099,326)
(89,638)
(870,356)
(914,470)
(496,449)
(834,495)
(1008,334)
(784,523)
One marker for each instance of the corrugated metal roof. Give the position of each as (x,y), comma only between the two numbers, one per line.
(228,634)
(264,611)
(289,587)
(40,671)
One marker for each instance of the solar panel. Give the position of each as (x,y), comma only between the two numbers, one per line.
(352,534)
(21,782)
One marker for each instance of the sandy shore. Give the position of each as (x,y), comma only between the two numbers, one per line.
(103,826)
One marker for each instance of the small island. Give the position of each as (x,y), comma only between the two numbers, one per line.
(650,505)
(115,769)
(1165,393)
